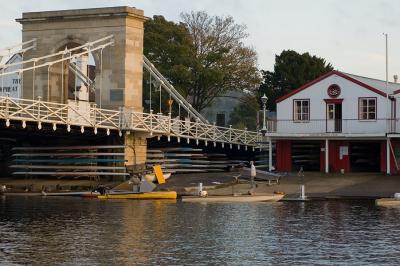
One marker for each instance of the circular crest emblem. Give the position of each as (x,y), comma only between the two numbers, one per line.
(334,90)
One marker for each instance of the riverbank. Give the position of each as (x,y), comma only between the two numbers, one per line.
(317,185)
(355,185)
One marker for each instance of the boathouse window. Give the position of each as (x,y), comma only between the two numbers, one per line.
(301,110)
(367,108)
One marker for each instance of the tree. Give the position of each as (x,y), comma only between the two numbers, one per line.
(291,70)
(203,56)
(223,62)
(169,47)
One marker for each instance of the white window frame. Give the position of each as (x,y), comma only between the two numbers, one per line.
(367,115)
(331,111)
(304,114)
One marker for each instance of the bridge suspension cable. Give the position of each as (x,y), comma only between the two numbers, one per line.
(85,47)
(54,58)
(164,83)
(82,76)
(16,49)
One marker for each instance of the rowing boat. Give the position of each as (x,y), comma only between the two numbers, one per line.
(70,160)
(388,202)
(181,149)
(58,154)
(139,196)
(71,173)
(86,194)
(90,194)
(68,148)
(74,167)
(235,198)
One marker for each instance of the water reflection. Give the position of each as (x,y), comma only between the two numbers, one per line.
(74,231)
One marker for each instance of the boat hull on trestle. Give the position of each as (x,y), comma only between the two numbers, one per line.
(233,198)
(144,195)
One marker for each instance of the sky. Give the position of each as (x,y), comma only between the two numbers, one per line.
(347,33)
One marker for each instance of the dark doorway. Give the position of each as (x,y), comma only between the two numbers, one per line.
(306,154)
(365,156)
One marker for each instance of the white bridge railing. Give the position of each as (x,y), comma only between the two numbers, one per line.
(57,114)
(85,115)
(164,125)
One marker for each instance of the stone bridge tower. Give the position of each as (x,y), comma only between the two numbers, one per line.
(120,68)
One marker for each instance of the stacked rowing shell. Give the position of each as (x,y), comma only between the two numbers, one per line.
(188,160)
(261,158)
(306,155)
(69,161)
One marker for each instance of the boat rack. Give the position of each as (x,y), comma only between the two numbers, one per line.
(70,161)
(189,160)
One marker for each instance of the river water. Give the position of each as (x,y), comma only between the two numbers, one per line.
(73,231)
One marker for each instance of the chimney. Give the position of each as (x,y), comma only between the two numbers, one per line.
(395,78)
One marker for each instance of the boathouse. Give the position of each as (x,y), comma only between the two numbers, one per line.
(11,84)
(339,122)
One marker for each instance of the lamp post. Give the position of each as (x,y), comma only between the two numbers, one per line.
(264,100)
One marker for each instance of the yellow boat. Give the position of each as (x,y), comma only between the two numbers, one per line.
(144,195)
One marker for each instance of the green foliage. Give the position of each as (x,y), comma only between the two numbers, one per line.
(203,57)
(168,46)
(291,70)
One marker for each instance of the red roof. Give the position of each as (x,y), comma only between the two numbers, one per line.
(396,91)
(333,72)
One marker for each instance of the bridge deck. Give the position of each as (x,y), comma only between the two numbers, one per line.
(85,115)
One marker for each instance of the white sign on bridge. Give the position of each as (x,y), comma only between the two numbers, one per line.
(10,85)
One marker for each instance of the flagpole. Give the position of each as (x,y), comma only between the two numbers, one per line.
(388,108)
(387,76)
(387,60)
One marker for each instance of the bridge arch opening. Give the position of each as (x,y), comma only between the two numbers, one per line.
(73,79)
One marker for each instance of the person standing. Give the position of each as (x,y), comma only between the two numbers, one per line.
(253,174)
(3,189)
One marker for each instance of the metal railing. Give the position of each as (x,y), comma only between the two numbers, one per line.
(85,115)
(336,126)
(164,125)
(57,114)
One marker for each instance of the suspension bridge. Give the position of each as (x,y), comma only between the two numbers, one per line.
(83,71)
(194,127)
